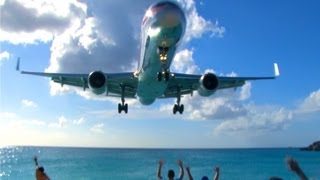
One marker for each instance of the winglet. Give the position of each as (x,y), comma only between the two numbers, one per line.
(18,64)
(276,70)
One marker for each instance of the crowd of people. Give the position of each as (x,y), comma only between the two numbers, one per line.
(292,165)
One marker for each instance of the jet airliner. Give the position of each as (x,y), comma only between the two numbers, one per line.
(163,27)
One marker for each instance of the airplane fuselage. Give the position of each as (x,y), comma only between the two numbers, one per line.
(163,27)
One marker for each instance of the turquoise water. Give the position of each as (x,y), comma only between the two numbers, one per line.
(100,163)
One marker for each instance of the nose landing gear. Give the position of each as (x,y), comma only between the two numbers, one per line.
(163,56)
(163,74)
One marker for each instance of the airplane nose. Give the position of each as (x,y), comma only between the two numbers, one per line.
(168,13)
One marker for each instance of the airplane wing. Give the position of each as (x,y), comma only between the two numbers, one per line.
(187,83)
(115,81)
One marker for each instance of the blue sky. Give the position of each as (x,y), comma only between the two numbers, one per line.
(228,37)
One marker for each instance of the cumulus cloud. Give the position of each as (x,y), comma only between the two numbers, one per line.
(62,122)
(28,103)
(183,62)
(197,25)
(257,119)
(36,123)
(37,21)
(4,55)
(7,115)
(224,104)
(311,104)
(79,121)
(97,128)
(235,114)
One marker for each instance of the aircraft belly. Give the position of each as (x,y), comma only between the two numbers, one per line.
(151,88)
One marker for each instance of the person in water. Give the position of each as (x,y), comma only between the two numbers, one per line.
(40,174)
(170,172)
(216,176)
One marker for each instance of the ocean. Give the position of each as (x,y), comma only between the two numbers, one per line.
(138,164)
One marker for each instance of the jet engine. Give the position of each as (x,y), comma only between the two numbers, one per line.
(97,82)
(208,84)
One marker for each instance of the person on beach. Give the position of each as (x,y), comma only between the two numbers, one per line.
(170,172)
(40,174)
(216,176)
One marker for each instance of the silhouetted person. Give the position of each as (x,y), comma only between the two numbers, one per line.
(294,166)
(189,173)
(40,174)
(170,172)
(216,176)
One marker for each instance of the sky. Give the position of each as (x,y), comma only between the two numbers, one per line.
(230,38)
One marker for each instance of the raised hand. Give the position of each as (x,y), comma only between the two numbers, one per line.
(161,162)
(293,164)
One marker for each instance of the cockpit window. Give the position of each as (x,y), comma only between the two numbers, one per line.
(160,4)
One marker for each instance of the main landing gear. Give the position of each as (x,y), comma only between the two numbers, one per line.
(178,107)
(163,74)
(122,106)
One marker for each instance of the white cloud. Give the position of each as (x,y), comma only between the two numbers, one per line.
(245,92)
(28,103)
(257,119)
(237,115)
(15,120)
(197,25)
(4,55)
(31,22)
(310,104)
(7,115)
(97,128)
(79,121)
(183,62)
(62,122)
(36,122)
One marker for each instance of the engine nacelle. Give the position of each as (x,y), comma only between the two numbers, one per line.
(146,101)
(208,84)
(97,82)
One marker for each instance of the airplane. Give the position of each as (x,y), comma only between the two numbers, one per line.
(162,30)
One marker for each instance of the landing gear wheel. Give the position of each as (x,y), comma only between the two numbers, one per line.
(181,108)
(178,108)
(159,76)
(166,76)
(119,108)
(175,109)
(125,108)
